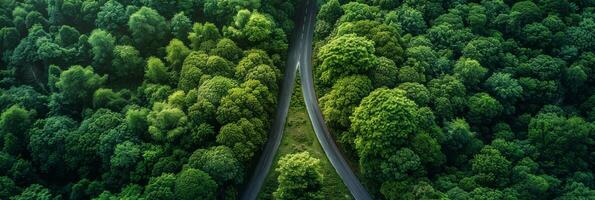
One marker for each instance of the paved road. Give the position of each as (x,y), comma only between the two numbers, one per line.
(324,137)
(300,56)
(267,157)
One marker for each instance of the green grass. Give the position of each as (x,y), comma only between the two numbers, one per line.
(299,136)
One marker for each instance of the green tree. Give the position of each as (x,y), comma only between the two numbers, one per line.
(103,44)
(47,140)
(176,53)
(83,146)
(148,29)
(250,100)
(470,72)
(180,26)
(339,103)
(244,137)
(299,177)
(228,49)
(330,11)
(491,169)
(167,123)
(194,184)
(76,86)
(156,71)
(161,188)
(483,108)
(504,87)
(219,162)
(8,186)
(384,122)
(111,17)
(563,142)
(209,95)
(34,191)
(416,92)
(14,123)
(346,55)
(127,64)
(203,36)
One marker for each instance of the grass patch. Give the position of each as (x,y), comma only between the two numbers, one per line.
(299,136)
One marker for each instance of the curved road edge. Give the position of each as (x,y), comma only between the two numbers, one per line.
(265,162)
(358,191)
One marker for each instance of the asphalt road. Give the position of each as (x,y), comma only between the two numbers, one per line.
(322,133)
(252,189)
(300,56)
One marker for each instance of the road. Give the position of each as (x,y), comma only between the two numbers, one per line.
(267,156)
(300,56)
(322,133)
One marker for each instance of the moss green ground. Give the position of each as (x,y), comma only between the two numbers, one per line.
(299,136)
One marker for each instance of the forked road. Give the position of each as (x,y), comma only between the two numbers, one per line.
(300,56)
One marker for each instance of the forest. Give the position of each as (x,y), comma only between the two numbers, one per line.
(174,99)
(136,99)
(462,99)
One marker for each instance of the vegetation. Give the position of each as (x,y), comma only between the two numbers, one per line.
(489,99)
(150,99)
(299,137)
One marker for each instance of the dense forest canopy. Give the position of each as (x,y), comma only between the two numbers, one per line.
(462,99)
(136,99)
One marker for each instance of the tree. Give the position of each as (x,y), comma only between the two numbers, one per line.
(102,44)
(526,12)
(491,168)
(339,103)
(228,49)
(127,64)
(250,100)
(14,123)
(195,184)
(47,140)
(148,29)
(346,55)
(209,95)
(460,143)
(354,11)
(244,137)
(471,72)
(83,145)
(385,74)
(34,191)
(8,186)
(219,162)
(448,94)
(190,75)
(203,36)
(156,72)
(161,188)
(543,67)
(411,20)
(299,177)
(167,123)
(111,17)
(504,87)
(383,123)
(76,86)
(483,108)
(556,137)
(176,53)
(416,92)
(180,26)
(485,50)
(330,11)
(25,96)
